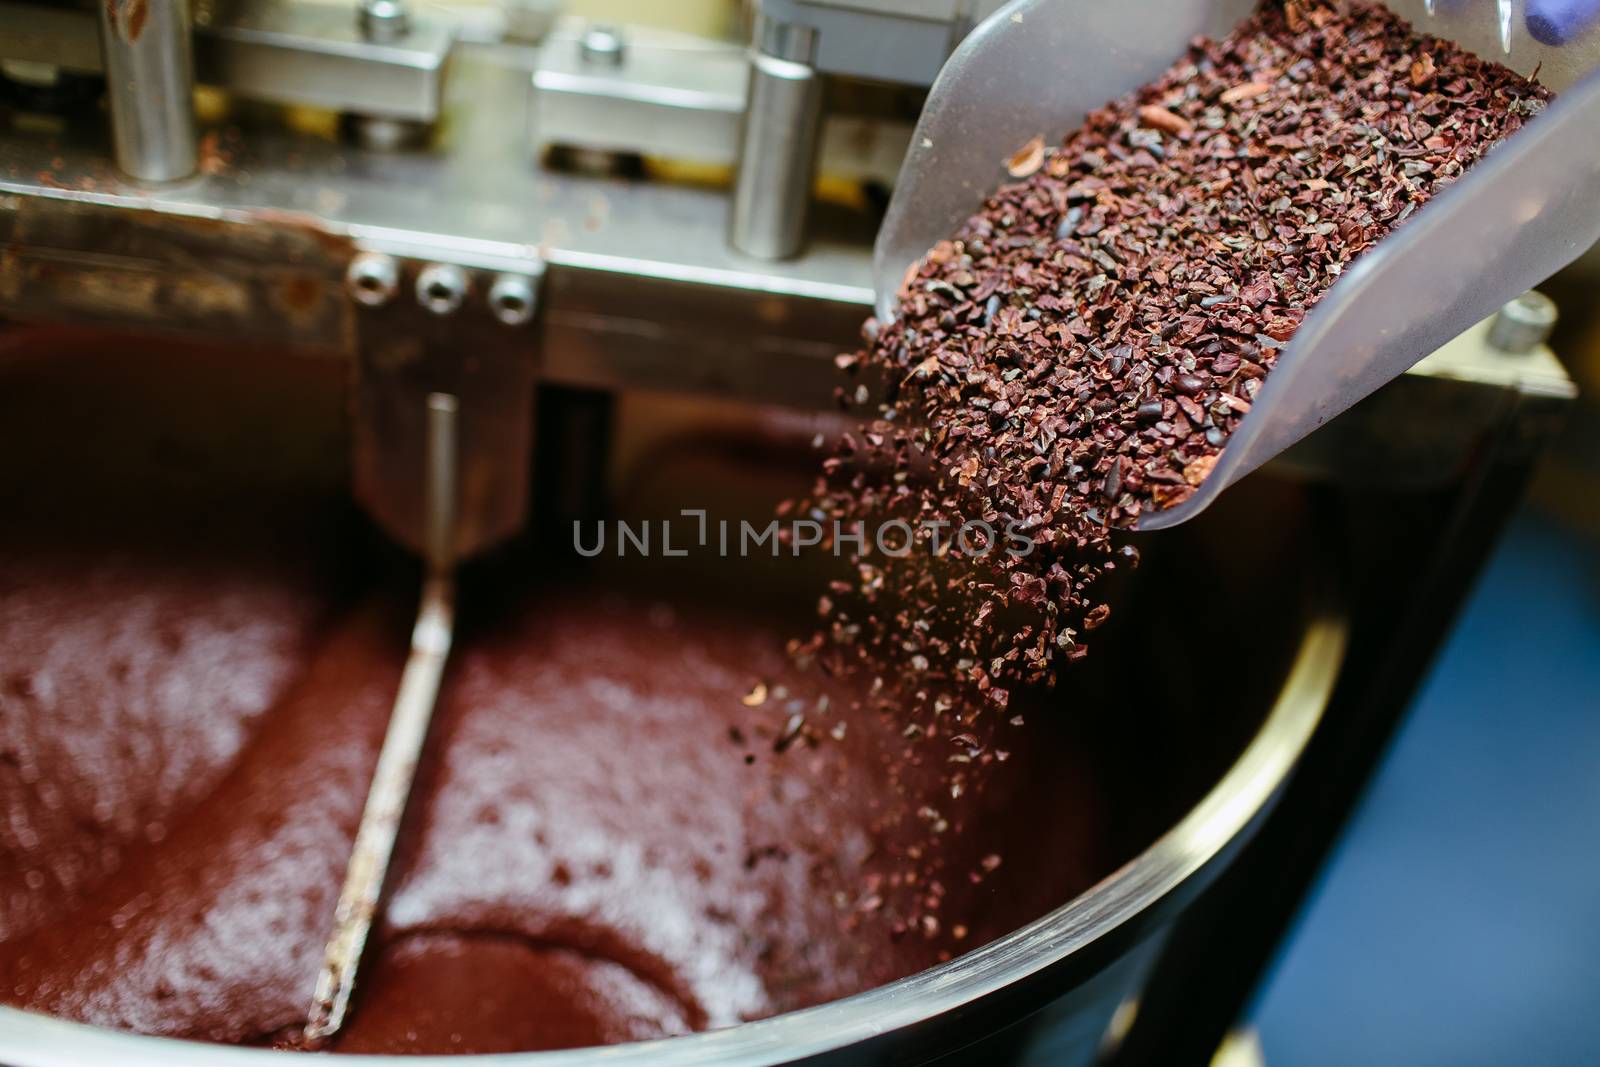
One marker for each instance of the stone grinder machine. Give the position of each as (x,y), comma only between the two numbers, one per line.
(500,219)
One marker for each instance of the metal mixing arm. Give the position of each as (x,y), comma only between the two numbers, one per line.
(402,744)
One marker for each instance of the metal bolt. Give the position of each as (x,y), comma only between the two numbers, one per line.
(529,21)
(379,133)
(602,46)
(1523,324)
(383,21)
(441,287)
(372,279)
(512,299)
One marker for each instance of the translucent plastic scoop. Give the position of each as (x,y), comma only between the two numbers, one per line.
(1529,208)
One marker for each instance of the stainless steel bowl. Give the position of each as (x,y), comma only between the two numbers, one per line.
(1078,964)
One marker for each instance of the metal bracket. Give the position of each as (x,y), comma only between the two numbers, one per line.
(277,51)
(430,326)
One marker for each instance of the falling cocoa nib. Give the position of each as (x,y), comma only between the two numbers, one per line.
(1079,351)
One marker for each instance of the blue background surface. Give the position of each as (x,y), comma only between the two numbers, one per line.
(1458,922)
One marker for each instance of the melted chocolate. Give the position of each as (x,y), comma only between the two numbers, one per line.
(606,843)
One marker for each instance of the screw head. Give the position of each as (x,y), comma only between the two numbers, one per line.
(384,21)
(602,46)
(379,133)
(441,288)
(372,279)
(512,299)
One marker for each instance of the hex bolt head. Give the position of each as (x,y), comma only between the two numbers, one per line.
(372,279)
(1523,324)
(379,133)
(602,46)
(383,21)
(441,288)
(512,299)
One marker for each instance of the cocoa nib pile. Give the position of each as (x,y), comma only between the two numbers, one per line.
(1079,352)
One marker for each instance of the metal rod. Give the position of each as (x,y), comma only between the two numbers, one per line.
(149,61)
(777,144)
(441,490)
(402,744)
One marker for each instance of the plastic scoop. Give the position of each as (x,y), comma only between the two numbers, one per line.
(1530,207)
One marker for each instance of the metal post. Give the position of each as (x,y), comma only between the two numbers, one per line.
(442,465)
(1523,324)
(383,21)
(777,143)
(150,82)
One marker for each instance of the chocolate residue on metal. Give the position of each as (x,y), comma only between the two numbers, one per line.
(129,17)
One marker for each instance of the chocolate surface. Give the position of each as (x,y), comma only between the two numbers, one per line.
(611,838)
(604,830)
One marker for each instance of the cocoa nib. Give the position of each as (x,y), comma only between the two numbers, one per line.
(1080,350)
